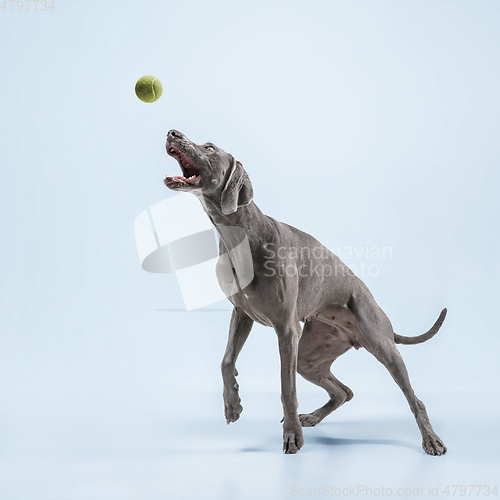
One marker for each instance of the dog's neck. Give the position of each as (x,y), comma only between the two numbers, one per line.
(249,218)
(243,217)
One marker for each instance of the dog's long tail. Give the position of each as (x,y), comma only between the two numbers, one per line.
(399,339)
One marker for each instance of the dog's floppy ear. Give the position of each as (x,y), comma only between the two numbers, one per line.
(238,190)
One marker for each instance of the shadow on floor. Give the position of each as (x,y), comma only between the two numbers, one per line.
(349,442)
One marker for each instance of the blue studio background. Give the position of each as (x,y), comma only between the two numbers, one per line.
(369,124)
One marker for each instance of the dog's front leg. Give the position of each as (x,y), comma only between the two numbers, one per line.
(240,327)
(288,339)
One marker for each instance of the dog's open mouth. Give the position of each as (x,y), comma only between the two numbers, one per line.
(191,174)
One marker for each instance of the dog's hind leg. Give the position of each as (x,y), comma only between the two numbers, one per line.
(320,344)
(378,338)
(392,360)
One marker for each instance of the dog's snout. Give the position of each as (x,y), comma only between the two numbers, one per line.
(174,134)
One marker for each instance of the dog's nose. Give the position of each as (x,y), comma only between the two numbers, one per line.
(174,134)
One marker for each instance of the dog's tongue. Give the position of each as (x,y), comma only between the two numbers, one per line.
(189,180)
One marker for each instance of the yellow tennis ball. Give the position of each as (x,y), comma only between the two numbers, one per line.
(148,88)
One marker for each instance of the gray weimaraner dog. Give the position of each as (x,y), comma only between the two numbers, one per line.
(317,288)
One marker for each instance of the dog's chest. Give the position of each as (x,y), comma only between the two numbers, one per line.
(246,301)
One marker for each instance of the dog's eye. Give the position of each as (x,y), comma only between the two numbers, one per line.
(209,148)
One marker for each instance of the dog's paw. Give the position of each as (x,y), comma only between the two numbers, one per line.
(433,445)
(308,419)
(232,408)
(292,441)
